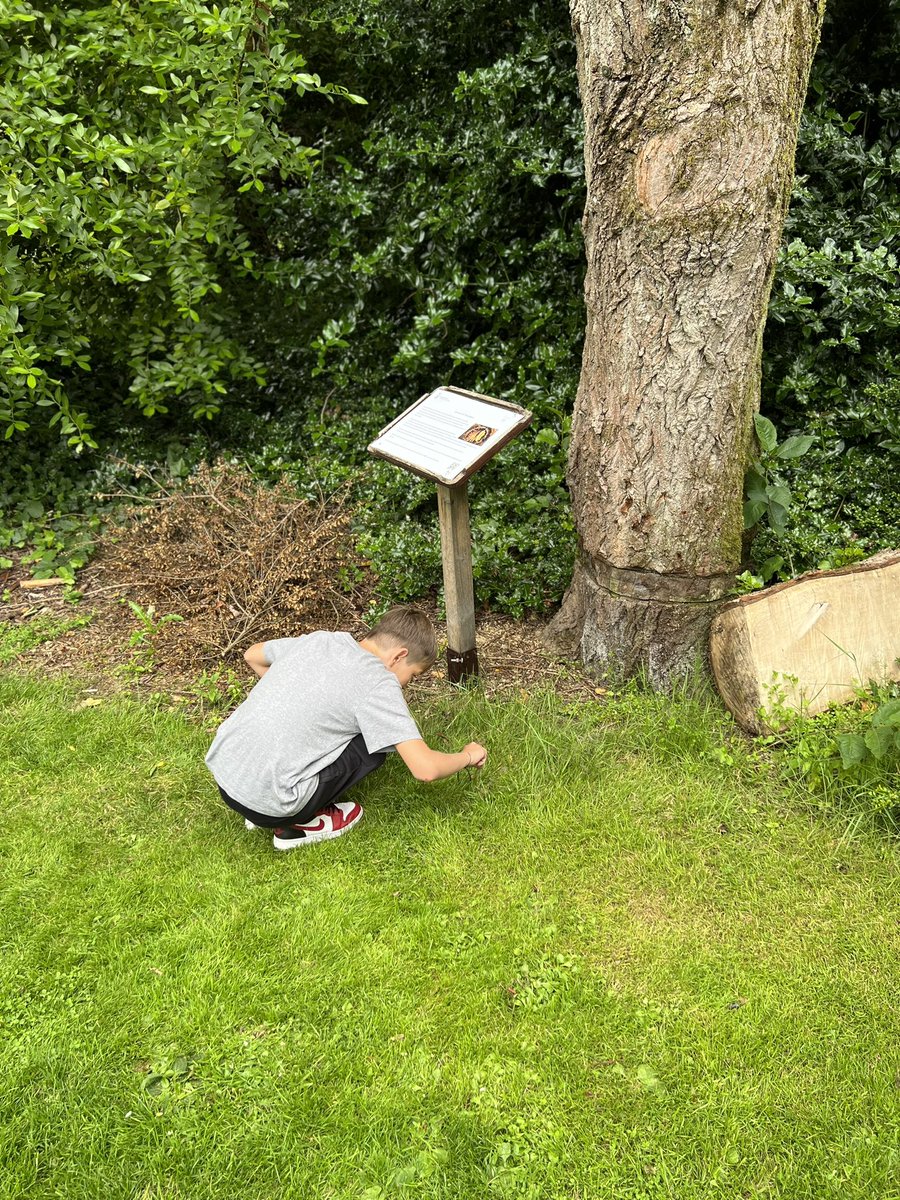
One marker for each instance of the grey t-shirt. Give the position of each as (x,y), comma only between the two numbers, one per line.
(319,692)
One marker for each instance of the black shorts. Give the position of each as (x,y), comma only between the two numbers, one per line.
(353,764)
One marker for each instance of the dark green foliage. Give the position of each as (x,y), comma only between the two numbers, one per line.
(437,240)
(831,365)
(833,321)
(135,139)
(767,494)
(846,507)
(880,740)
(49,516)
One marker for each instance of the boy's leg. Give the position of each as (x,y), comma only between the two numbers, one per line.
(353,765)
(323,817)
(248,814)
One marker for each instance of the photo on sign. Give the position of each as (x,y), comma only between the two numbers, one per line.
(477,434)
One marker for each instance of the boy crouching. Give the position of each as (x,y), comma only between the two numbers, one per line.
(325,713)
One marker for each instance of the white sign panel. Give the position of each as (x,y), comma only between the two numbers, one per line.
(448,434)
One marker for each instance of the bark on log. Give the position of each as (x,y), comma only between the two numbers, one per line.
(691,112)
(808,643)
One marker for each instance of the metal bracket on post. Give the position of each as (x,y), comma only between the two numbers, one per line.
(459,588)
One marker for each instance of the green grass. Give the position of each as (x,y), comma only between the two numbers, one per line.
(18,636)
(619,963)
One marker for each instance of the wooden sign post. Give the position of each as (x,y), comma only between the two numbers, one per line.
(446,436)
(459,586)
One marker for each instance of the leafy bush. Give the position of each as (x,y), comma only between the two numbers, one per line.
(831,366)
(879,742)
(49,518)
(846,507)
(438,242)
(436,239)
(767,494)
(137,138)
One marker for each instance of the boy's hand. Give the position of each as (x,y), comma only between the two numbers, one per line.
(429,765)
(477,753)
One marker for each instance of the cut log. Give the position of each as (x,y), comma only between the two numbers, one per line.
(808,643)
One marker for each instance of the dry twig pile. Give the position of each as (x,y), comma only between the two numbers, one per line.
(239,562)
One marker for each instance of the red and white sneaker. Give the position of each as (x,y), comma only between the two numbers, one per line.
(331,822)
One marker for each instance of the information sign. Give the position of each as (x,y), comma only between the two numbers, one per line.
(449,434)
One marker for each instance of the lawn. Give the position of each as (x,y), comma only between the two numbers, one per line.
(624,961)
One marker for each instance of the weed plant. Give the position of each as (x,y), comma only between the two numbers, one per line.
(847,759)
(142,639)
(620,962)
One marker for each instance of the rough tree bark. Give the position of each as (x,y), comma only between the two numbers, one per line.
(691,111)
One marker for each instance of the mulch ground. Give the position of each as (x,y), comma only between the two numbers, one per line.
(237,564)
(511,656)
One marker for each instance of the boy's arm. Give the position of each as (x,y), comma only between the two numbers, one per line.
(256,660)
(428,765)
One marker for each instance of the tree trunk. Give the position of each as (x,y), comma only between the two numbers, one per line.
(691,111)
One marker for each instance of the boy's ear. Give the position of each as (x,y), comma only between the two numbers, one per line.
(398,654)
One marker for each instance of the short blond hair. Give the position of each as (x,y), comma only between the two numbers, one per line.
(406,626)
